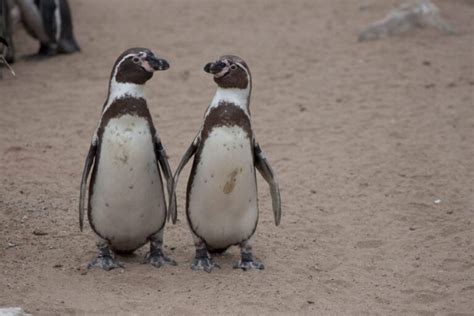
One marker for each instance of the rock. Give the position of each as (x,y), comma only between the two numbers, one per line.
(409,15)
(13,311)
(39,232)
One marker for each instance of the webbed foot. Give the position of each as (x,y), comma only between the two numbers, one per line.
(105,259)
(246,261)
(248,265)
(157,259)
(205,264)
(105,262)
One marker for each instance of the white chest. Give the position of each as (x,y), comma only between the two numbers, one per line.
(223,198)
(127,201)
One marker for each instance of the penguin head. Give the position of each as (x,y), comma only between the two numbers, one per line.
(230,72)
(137,65)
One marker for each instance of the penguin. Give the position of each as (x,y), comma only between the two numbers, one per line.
(50,22)
(221,197)
(126,202)
(57,21)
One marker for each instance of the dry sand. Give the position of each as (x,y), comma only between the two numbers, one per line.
(364,138)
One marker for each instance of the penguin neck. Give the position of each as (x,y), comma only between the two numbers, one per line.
(237,97)
(120,90)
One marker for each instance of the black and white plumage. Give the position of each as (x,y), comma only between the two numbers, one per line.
(50,22)
(126,202)
(221,199)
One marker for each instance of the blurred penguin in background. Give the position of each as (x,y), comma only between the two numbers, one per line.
(48,21)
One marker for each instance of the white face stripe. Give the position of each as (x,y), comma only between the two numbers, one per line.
(246,71)
(119,63)
(120,90)
(222,72)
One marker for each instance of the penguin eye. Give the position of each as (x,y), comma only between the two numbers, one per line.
(136,60)
(233,67)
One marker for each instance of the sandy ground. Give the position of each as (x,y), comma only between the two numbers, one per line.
(364,138)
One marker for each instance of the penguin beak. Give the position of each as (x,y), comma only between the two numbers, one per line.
(156,63)
(218,69)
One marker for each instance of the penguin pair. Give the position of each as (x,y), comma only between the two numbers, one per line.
(126,204)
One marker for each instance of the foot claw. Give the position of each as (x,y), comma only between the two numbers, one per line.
(105,262)
(248,265)
(205,264)
(158,260)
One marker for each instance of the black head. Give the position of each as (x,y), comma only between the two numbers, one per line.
(230,72)
(137,65)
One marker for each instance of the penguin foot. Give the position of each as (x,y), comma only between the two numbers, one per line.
(248,265)
(205,264)
(157,259)
(105,262)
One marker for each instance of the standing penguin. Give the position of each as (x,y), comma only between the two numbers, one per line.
(57,21)
(221,199)
(50,22)
(126,204)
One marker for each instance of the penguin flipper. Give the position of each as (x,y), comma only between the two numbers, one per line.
(262,165)
(165,167)
(85,175)
(187,155)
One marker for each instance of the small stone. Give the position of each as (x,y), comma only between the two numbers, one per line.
(39,232)
(310,302)
(10,245)
(301,107)
(58,265)
(437,201)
